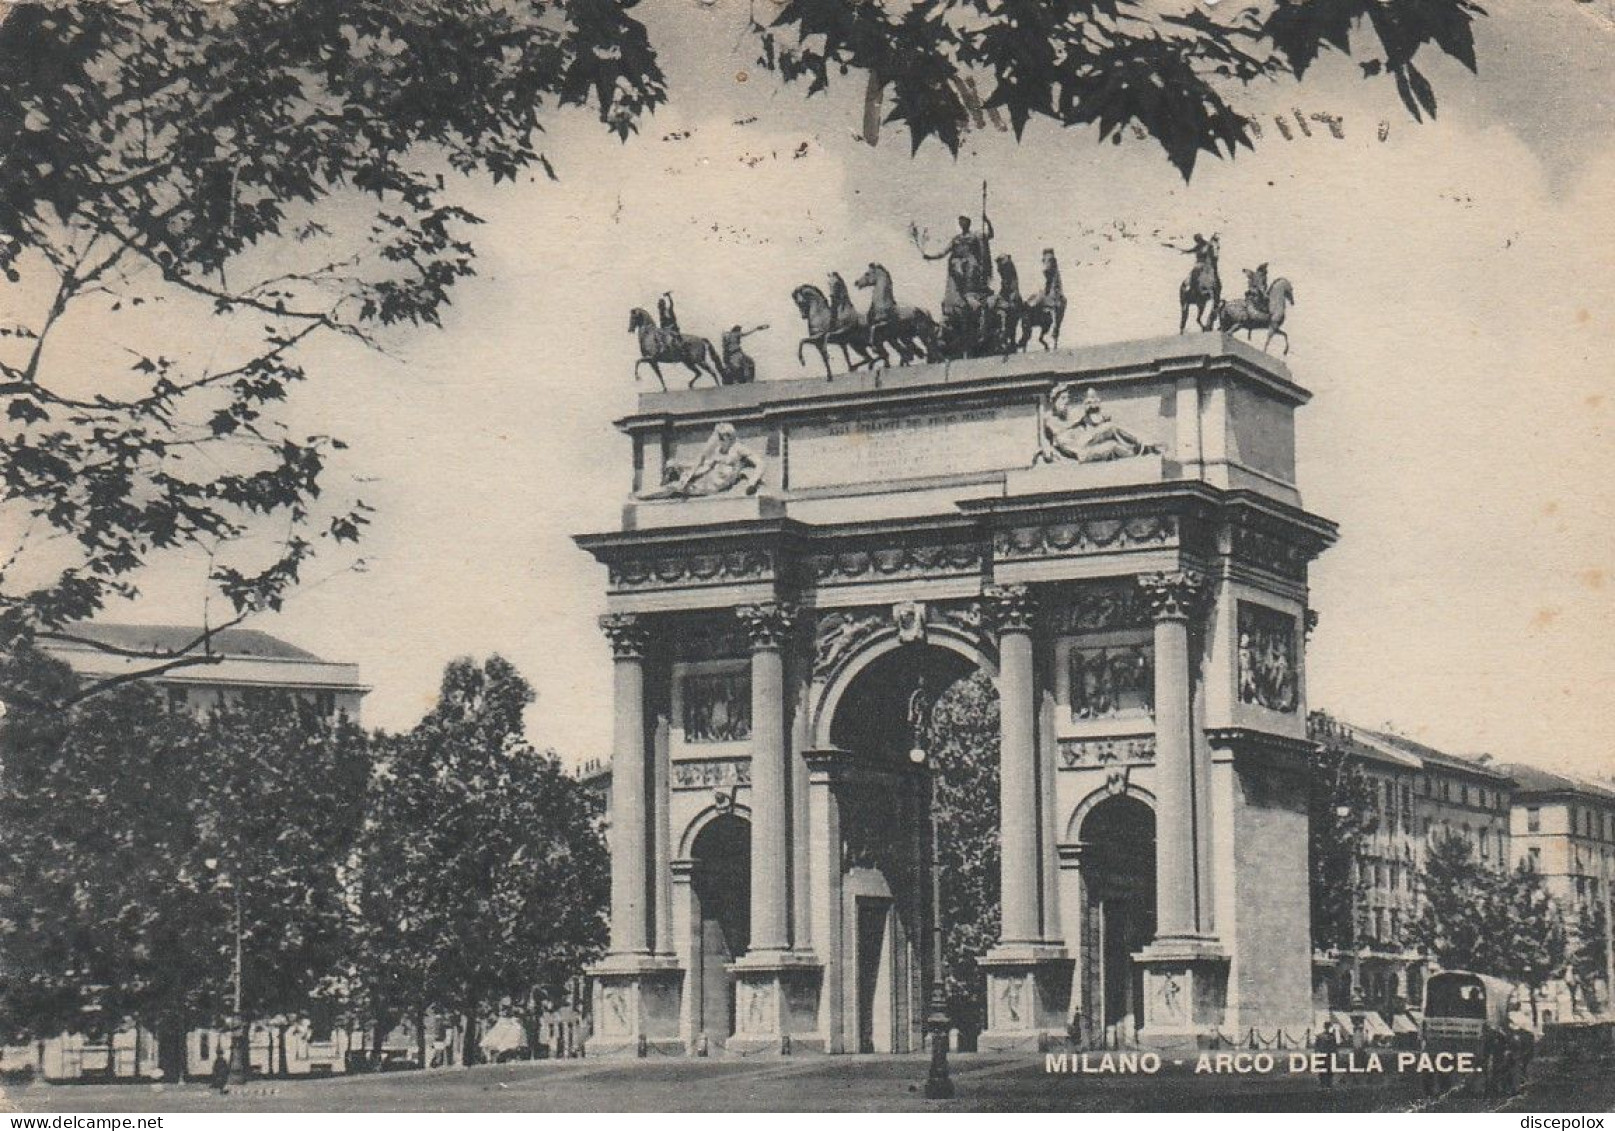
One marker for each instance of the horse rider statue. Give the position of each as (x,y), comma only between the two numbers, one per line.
(1202,290)
(1256,291)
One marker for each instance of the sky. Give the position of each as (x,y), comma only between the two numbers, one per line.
(1455,320)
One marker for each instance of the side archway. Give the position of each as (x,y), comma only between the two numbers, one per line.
(1116,835)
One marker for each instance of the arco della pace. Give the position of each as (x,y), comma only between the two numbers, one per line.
(1115,536)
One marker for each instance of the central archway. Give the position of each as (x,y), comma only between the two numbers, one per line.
(915,695)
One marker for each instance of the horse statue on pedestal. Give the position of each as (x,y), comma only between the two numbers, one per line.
(909,330)
(825,329)
(1007,308)
(1242,314)
(657,345)
(1203,288)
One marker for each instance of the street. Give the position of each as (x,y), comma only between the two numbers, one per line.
(865,1083)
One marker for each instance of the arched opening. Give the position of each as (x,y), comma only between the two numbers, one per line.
(1118,871)
(932,698)
(720,884)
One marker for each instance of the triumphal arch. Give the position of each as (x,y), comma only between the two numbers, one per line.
(1115,536)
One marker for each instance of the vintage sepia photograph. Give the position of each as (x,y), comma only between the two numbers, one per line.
(874,556)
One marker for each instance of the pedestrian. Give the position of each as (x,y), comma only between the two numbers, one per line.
(219,1078)
(1328,1044)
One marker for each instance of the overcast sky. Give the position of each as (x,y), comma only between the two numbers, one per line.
(1454,321)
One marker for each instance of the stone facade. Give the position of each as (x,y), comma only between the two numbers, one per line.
(1142,615)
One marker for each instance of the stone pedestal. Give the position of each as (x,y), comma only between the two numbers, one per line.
(636,1006)
(1185,991)
(777,1004)
(1028,995)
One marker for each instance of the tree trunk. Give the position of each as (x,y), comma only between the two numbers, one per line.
(420,1036)
(470,1050)
(171,1047)
(285,1070)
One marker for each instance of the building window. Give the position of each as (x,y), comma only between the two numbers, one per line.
(1533,820)
(178,699)
(202,1045)
(1534,858)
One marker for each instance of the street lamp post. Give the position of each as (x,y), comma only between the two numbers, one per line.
(239,1054)
(938,1084)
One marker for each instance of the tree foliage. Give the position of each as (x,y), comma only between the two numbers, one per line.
(171,162)
(1490,920)
(486,877)
(1341,818)
(1170,72)
(1589,953)
(130,833)
(963,736)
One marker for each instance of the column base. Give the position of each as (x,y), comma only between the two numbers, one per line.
(1185,991)
(636,1006)
(1028,992)
(777,1004)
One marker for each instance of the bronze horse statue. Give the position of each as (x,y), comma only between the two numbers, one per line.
(1242,315)
(849,331)
(909,330)
(657,345)
(1045,311)
(1203,288)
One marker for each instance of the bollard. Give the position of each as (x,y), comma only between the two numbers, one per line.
(644,1045)
(701,1044)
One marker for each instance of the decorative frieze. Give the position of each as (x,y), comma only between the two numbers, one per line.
(1268,675)
(894,562)
(715,773)
(627,633)
(1075,752)
(768,623)
(1100,608)
(1177,595)
(1056,539)
(1270,551)
(676,570)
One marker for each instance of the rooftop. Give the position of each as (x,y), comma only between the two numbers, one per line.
(1529,781)
(175,638)
(245,657)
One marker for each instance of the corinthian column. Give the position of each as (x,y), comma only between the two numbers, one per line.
(1013,611)
(1175,599)
(769,625)
(629,812)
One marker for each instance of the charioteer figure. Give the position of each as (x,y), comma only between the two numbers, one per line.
(666,317)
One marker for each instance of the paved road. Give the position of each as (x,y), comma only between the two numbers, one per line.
(808,1084)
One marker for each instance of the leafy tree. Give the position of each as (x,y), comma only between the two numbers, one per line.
(278,814)
(1341,818)
(1166,72)
(1461,917)
(193,156)
(485,874)
(1531,946)
(1589,952)
(129,829)
(963,735)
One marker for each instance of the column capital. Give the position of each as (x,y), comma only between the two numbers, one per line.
(1178,595)
(768,623)
(1012,607)
(628,633)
